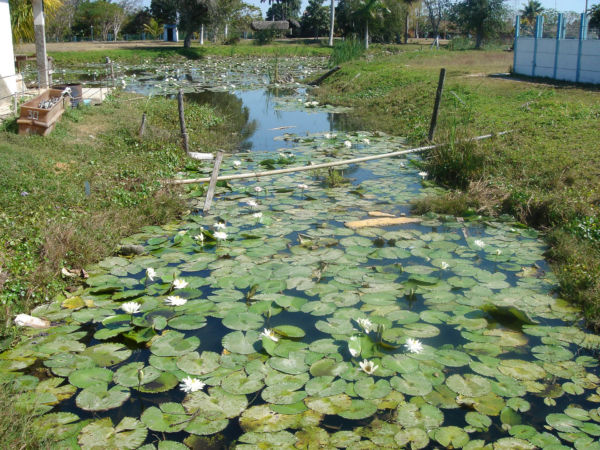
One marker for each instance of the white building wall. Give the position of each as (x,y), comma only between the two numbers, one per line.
(540,60)
(7,57)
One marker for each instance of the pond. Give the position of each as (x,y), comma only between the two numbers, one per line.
(292,330)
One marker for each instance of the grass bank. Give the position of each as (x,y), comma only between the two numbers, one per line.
(47,222)
(545,172)
(94,53)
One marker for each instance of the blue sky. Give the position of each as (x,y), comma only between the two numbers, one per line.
(561,5)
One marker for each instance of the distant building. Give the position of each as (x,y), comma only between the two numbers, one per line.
(170,33)
(8,83)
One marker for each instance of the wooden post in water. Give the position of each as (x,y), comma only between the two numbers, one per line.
(213,181)
(436,106)
(112,73)
(184,134)
(143,125)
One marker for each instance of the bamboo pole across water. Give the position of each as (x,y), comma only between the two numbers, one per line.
(242,176)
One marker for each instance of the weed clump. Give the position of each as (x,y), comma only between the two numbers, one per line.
(346,50)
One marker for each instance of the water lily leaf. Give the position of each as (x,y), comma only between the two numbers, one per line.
(327,367)
(470,385)
(478,420)
(452,358)
(128,375)
(368,389)
(552,353)
(417,438)
(290,331)
(238,383)
(218,405)
(58,426)
(325,386)
(89,377)
(295,408)
(359,409)
(426,417)
(294,364)
(100,398)
(513,444)
(204,427)
(510,417)
(243,321)
(334,326)
(325,346)
(172,343)
(507,387)
(489,404)
(283,394)
(521,370)
(318,308)
(107,354)
(400,363)
(187,322)
(171,417)
(452,436)
(165,382)
(420,330)
(128,434)
(442,397)
(282,440)
(244,344)
(522,431)
(261,419)
(332,405)
(414,384)
(195,364)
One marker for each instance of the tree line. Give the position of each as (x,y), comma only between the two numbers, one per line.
(384,21)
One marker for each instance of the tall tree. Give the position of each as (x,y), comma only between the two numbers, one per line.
(482,17)
(436,10)
(369,11)
(283,11)
(164,11)
(408,4)
(192,14)
(531,10)
(331,22)
(316,16)
(135,23)
(595,15)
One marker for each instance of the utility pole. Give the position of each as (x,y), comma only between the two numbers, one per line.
(40,43)
(332,23)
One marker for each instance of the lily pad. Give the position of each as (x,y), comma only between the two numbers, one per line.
(100,398)
(128,434)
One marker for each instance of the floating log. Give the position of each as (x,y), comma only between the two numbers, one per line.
(380,214)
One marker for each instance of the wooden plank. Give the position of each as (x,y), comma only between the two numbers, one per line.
(213,182)
(384,222)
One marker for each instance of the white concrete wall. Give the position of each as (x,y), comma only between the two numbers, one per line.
(7,57)
(540,60)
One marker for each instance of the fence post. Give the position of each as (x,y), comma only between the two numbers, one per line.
(16,112)
(184,134)
(539,30)
(436,106)
(559,35)
(143,126)
(213,182)
(517,35)
(582,37)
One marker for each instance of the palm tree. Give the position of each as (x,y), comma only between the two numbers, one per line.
(594,15)
(21,18)
(531,10)
(367,11)
(153,28)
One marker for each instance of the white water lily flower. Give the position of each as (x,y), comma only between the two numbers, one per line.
(314,103)
(175,300)
(307,104)
(423,174)
(368,367)
(347,144)
(302,186)
(219,226)
(365,324)
(251,203)
(479,243)
(353,352)
(237,164)
(150,273)
(401,164)
(444,265)
(190,384)
(269,334)
(327,136)
(221,236)
(180,284)
(200,237)
(257,189)
(498,252)
(366,141)
(299,99)
(257,215)
(131,307)
(414,345)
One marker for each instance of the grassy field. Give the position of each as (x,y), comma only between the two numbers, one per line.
(545,172)
(139,51)
(47,221)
